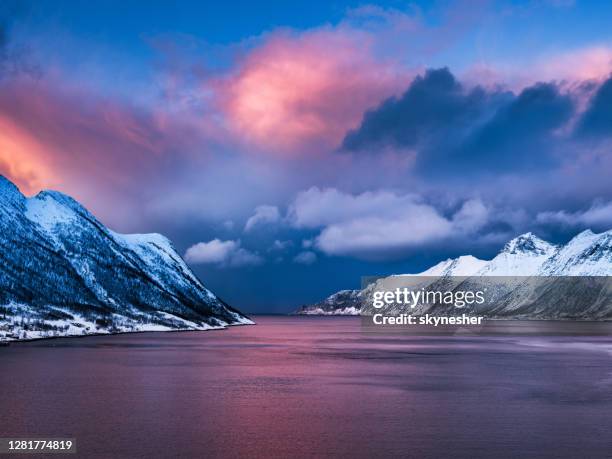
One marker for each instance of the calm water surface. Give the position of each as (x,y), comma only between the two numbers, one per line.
(315,387)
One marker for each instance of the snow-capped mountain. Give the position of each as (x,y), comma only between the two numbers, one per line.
(64,273)
(586,255)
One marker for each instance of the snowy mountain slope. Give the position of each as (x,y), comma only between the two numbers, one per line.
(587,254)
(546,295)
(465,265)
(64,273)
(342,303)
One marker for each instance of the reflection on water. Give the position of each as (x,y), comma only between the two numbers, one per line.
(316,387)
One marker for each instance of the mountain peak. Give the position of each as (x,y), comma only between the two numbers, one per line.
(586,234)
(49,208)
(586,238)
(62,199)
(528,243)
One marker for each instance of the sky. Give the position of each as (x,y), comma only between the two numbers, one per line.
(290,148)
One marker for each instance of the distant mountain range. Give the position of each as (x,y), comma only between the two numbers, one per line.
(587,255)
(64,273)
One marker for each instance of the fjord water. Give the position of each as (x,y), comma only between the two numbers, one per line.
(316,387)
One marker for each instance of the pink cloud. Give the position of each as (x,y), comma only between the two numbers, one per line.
(50,134)
(22,158)
(105,152)
(299,92)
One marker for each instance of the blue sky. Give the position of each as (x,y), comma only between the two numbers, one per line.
(289,148)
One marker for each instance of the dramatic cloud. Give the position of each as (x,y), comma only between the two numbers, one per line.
(433,104)
(128,163)
(223,253)
(455,129)
(264,215)
(380,225)
(83,144)
(519,134)
(23,159)
(305,258)
(300,92)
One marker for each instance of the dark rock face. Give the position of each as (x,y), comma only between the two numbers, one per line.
(64,272)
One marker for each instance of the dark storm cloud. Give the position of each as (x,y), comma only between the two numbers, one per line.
(597,120)
(454,129)
(434,103)
(520,134)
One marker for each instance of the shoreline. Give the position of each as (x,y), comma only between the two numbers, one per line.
(488,328)
(89,335)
